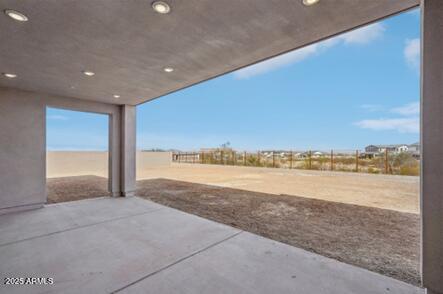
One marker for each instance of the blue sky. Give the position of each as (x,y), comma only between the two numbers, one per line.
(73,130)
(356,89)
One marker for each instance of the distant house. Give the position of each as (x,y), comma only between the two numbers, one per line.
(306,154)
(371,150)
(414,147)
(383,148)
(401,148)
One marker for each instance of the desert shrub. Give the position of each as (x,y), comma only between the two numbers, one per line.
(377,162)
(403,159)
(410,170)
(252,160)
(306,164)
(364,162)
(405,164)
(315,166)
(372,170)
(344,160)
(320,163)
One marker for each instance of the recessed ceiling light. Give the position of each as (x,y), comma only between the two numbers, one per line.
(116,96)
(310,2)
(15,15)
(168,69)
(9,75)
(161,7)
(88,73)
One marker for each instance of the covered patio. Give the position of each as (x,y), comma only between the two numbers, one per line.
(132,245)
(110,56)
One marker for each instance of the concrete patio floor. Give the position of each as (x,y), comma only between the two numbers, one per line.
(131,245)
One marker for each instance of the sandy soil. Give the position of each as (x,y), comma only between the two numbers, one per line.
(400,193)
(380,240)
(76,188)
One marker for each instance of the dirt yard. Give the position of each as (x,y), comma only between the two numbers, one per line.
(371,221)
(76,188)
(400,193)
(380,240)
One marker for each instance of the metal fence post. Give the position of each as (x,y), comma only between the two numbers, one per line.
(310,159)
(332,159)
(356,161)
(290,162)
(386,160)
(258,158)
(244,158)
(273,159)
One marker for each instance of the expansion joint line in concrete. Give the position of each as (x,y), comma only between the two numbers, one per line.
(177,262)
(79,227)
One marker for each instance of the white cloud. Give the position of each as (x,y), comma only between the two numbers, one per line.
(57,117)
(409,123)
(277,62)
(408,109)
(372,107)
(412,53)
(402,125)
(362,35)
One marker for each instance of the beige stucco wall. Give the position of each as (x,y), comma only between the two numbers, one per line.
(23,144)
(73,163)
(22,151)
(146,160)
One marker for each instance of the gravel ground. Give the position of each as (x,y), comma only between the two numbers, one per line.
(76,188)
(381,240)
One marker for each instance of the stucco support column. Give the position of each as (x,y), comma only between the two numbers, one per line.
(432,145)
(128,150)
(115,153)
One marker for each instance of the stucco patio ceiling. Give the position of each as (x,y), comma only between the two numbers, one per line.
(128,45)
